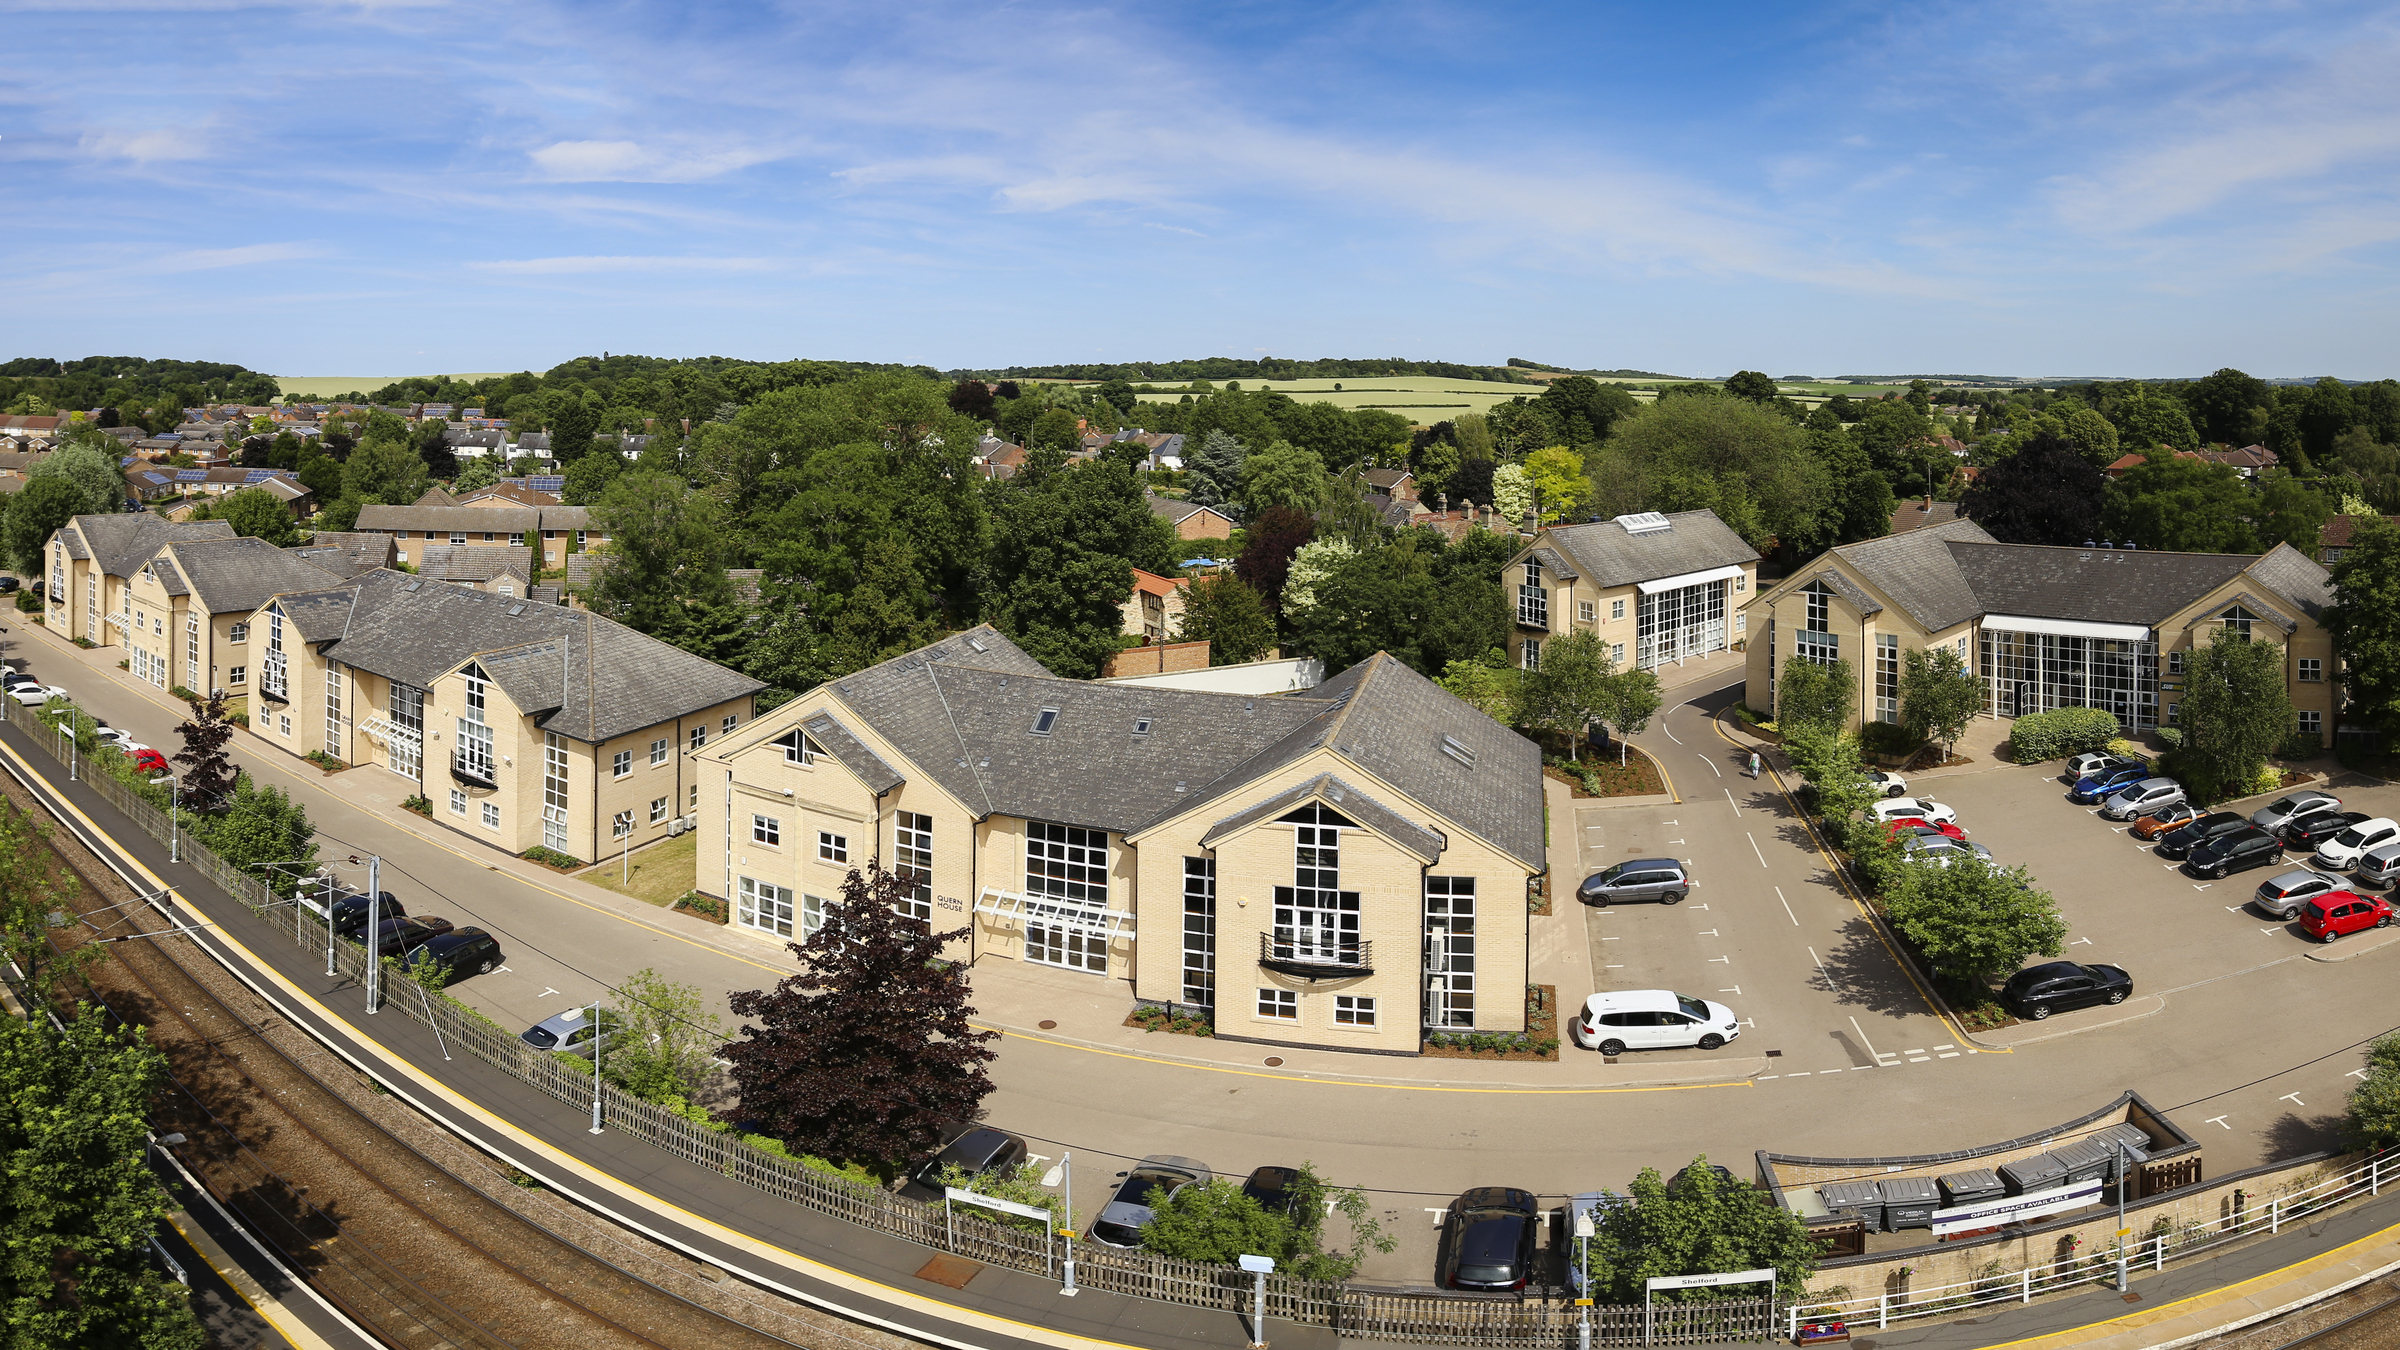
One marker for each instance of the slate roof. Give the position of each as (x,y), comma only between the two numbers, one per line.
(1424,844)
(474,519)
(586,677)
(1180,511)
(347,554)
(1696,542)
(121,543)
(2095,584)
(837,740)
(1918,572)
(233,576)
(475,562)
(2296,577)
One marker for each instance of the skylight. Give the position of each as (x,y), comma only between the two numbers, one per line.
(1141,726)
(1047,719)
(1458,750)
(1644,522)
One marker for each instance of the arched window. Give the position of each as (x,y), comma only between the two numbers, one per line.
(2237,621)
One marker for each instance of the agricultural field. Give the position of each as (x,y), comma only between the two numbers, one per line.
(1420,398)
(329,386)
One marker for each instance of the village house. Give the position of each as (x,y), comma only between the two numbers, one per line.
(1194,522)
(563,529)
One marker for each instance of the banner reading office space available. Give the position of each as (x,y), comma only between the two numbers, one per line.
(2016,1208)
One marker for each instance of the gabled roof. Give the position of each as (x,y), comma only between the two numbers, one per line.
(871,768)
(2093,584)
(1918,573)
(346,554)
(236,576)
(1425,845)
(476,562)
(1181,511)
(1148,584)
(1695,541)
(121,543)
(2296,577)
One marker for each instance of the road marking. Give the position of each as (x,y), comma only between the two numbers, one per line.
(1787,907)
(1737,806)
(2081,942)
(1862,1068)
(1612,967)
(1945,1047)
(2233,909)
(2270,929)
(1762,858)
(1437,1215)
(1952,1055)
(1750,1022)
(1854,1026)
(1670,734)
(1920,1059)
(1674,841)
(2359,1074)
(1912,1052)
(1712,764)
(1037,1157)
(2293,1098)
(1765,1076)
(1708,932)
(2219,1121)
(545,993)
(1735,990)
(504,970)
(1696,906)
(1611,939)
(1725,959)
(1802,1074)
(2204,885)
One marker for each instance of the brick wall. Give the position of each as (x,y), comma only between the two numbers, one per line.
(1173,656)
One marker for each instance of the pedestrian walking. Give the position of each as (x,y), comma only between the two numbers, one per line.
(1754,764)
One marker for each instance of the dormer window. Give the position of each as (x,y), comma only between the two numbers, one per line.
(2237,621)
(1044,720)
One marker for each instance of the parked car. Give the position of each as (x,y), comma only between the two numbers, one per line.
(1618,1020)
(2377,866)
(396,936)
(349,907)
(1662,879)
(2145,798)
(35,695)
(12,678)
(149,761)
(2344,849)
(575,1031)
(2174,817)
(1487,1240)
(111,735)
(976,1151)
(2302,834)
(2282,809)
(1724,1175)
(2330,916)
(2281,896)
(459,953)
(9,585)
(2099,787)
(1901,808)
(2234,851)
(1886,784)
(1934,849)
(1272,1187)
(1913,825)
(1121,1219)
(2055,986)
(2080,767)
(2180,841)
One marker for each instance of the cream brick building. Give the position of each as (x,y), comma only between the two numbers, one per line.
(92,559)
(1656,589)
(189,610)
(2045,627)
(1341,868)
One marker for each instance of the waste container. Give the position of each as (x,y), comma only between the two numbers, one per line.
(2037,1173)
(1967,1188)
(1909,1202)
(2133,1135)
(2088,1159)
(1863,1198)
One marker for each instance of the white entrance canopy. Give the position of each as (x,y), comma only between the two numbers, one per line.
(2114,632)
(1687,579)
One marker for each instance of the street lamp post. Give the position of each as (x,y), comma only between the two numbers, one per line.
(1259,1268)
(597,1037)
(375,933)
(1583,1269)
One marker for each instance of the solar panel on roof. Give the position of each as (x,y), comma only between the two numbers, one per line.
(257,476)
(547,482)
(191,475)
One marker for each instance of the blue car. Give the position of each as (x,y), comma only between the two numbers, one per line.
(2101,786)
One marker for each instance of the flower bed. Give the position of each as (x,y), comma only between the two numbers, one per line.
(1151,1017)
(1538,1041)
(1638,776)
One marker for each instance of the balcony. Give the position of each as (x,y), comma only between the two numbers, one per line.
(1316,957)
(473,773)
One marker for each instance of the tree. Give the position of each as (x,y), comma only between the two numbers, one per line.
(476,474)
(1812,695)
(1489,682)
(1898,439)
(1628,701)
(973,398)
(262,832)
(2364,620)
(1704,1225)
(77,1200)
(1747,462)
(1312,567)
(2236,710)
(2372,1119)
(384,471)
(1054,430)
(1559,486)
(1229,616)
(29,893)
(1512,495)
(666,551)
(90,465)
(2183,505)
(1365,603)
(573,417)
(1218,1223)
(1938,696)
(1828,761)
(1061,561)
(1584,410)
(2222,404)
(866,1053)
(208,773)
(1269,543)
(2290,512)
(2045,493)
(39,510)
(1282,474)
(1752,385)
(254,513)
(1216,470)
(1565,694)
(587,478)
(671,1039)
(2149,419)
(1973,920)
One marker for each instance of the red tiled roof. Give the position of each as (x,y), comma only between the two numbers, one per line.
(2336,533)
(1155,585)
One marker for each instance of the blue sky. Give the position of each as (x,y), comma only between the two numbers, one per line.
(2021,188)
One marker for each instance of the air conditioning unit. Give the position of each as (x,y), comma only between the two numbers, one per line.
(692,821)
(677,826)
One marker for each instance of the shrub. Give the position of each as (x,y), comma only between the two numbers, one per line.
(2300,745)
(2064,731)
(28,603)
(2269,779)
(86,643)
(240,719)
(419,805)
(551,856)
(1886,738)
(2171,737)
(2125,748)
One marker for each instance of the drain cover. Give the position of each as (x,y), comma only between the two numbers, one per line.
(1047,1025)
(1774,1054)
(1274,1061)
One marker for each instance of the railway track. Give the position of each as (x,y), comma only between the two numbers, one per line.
(405,1246)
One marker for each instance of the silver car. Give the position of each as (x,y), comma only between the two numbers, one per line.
(1121,1219)
(2136,800)
(2377,866)
(571,1031)
(2284,810)
(1940,850)
(2281,896)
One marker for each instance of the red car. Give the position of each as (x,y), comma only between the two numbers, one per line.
(1920,825)
(150,761)
(2337,912)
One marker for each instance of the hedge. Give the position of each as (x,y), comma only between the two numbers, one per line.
(2062,731)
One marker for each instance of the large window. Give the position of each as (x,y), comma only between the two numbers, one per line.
(1678,625)
(191,652)
(475,734)
(1315,919)
(1200,932)
(271,680)
(2237,621)
(408,714)
(1815,640)
(333,709)
(764,906)
(1533,603)
(1887,677)
(1450,951)
(554,791)
(1067,867)
(912,857)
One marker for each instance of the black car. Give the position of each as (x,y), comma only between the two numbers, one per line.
(2305,833)
(2234,851)
(2055,986)
(8,584)
(1272,1188)
(2180,841)
(396,936)
(976,1152)
(350,908)
(1487,1240)
(1724,1176)
(459,953)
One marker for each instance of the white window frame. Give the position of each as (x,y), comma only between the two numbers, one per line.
(766,830)
(1278,1005)
(658,750)
(832,848)
(622,765)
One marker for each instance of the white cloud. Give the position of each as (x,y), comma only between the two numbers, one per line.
(152,146)
(572,266)
(246,255)
(633,162)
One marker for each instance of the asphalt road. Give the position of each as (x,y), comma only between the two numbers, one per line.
(2249,1050)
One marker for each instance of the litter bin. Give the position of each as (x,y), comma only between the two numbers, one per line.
(1863,1198)
(1968,1188)
(1909,1202)
(2037,1173)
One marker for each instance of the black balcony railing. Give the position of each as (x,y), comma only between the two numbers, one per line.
(1316,956)
(474,773)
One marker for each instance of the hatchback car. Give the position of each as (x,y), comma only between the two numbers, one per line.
(1121,1219)
(2302,834)
(35,695)
(2174,817)
(2099,787)
(574,1031)
(2281,896)
(2345,848)
(976,1152)
(1912,825)
(458,954)
(149,761)
(396,936)
(2330,916)
(2080,767)
(2234,851)
(1652,1019)
(2180,841)
(2055,986)
(1487,1240)
(349,907)
(1662,879)
(2377,866)
(2145,798)
(2282,809)
(1942,852)
(1885,784)
(1924,808)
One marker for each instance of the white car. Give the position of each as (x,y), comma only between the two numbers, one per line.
(119,737)
(35,695)
(2088,763)
(1652,1019)
(2345,848)
(1886,784)
(1923,808)
(2284,810)
(1941,852)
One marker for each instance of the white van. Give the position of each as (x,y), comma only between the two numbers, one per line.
(1652,1019)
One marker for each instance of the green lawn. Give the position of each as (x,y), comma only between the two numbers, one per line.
(661,872)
